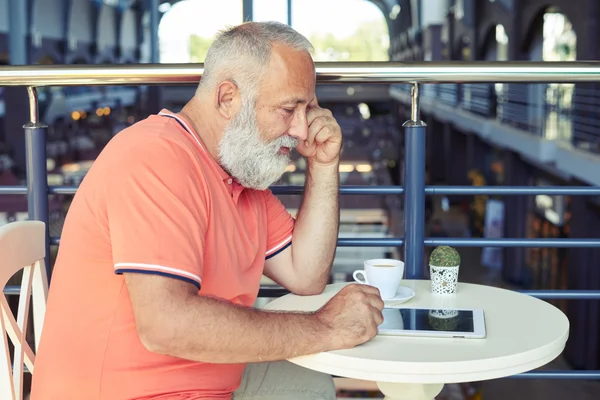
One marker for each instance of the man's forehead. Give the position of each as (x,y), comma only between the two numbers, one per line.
(291,70)
(281,91)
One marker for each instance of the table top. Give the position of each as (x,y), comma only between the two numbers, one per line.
(523,333)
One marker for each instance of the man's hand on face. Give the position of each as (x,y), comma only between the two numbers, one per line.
(324,141)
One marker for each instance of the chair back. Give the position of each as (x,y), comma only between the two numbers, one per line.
(22,246)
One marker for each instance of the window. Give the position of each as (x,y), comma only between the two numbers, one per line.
(341,30)
(188,27)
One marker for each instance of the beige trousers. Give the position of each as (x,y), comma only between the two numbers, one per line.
(282,380)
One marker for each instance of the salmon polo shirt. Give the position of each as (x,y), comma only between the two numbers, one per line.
(154,202)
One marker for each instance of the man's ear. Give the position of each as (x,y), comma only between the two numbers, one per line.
(227,99)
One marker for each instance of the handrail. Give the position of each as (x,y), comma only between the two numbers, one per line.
(391,190)
(327,72)
(414,190)
(278,291)
(456,242)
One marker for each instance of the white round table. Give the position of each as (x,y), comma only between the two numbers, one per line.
(523,333)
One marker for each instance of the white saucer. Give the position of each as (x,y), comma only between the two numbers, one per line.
(403,294)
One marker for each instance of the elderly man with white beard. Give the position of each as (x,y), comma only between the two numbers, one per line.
(167,238)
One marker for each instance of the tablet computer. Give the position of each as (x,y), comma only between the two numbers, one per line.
(452,323)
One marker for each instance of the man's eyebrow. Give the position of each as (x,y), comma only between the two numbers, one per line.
(294,100)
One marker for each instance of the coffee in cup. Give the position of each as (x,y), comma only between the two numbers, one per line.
(384,274)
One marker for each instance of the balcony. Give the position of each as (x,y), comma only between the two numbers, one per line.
(550,123)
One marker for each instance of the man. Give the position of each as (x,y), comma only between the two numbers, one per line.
(171,230)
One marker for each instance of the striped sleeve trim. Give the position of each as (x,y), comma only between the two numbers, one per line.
(158,270)
(279,248)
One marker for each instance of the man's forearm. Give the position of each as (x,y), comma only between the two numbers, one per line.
(214,331)
(316,230)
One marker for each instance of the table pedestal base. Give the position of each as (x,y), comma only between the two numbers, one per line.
(410,391)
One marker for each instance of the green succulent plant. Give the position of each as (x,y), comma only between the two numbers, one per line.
(444,256)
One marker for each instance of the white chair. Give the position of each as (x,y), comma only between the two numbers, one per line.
(22,246)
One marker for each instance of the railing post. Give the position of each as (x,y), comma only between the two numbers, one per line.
(37,175)
(414,189)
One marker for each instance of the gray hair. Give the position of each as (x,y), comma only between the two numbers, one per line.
(241,53)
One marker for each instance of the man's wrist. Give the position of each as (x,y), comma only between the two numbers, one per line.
(323,175)
(325,330)
(330,166)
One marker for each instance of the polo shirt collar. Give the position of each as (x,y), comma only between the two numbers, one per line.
(187,126)
(232,185)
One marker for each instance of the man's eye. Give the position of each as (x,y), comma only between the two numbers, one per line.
(288,110)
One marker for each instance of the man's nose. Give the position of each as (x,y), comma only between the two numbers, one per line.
(299,127)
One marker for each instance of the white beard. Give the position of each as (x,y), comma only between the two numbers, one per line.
(254,163)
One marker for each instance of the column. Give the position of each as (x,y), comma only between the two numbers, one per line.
(447,153)
(17,35)
(460,162)
(435,141)
(593,315)
(515,33)
(17,103)
(582,349)
(154,92)
(456,153)
(517,173)
(594,310)
(587,49)
(480,152)
(154,50)
(576,351)
(248,9)
(470,164)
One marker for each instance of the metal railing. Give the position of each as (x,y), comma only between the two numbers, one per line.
(555,111)
(414,189)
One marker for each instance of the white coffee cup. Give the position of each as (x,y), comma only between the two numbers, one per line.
(383,273)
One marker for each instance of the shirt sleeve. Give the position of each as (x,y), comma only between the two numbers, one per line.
(280,226)
(157,212)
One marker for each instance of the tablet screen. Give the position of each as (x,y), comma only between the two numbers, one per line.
(428,320)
